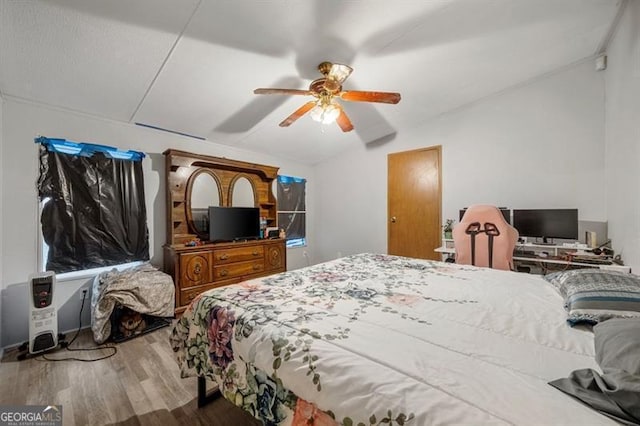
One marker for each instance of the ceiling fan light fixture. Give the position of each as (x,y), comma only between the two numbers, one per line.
(337,74)
(340,72)
(325,113)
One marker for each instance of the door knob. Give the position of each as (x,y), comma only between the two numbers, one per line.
(393,219)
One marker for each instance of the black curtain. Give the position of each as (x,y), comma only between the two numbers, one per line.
(96,214)
(292,206)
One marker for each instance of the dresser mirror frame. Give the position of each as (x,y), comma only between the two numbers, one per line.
(233,193)
(182,168)
(191,183)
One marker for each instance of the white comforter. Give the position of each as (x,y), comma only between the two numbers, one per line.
(370,338)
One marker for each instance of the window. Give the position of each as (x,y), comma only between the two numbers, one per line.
(93,212)
(292,209)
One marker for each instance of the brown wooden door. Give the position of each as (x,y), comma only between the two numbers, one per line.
(414,201)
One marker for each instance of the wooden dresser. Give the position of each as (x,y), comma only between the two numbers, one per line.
(196,269)
(201,267)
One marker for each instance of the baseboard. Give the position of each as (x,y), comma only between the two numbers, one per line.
(66,333)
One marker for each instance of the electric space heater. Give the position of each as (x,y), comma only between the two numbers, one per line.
(43,316)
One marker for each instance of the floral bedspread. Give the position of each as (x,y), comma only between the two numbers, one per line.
(383,340)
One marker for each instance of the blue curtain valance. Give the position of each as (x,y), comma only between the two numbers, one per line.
(290,179)
(84,149)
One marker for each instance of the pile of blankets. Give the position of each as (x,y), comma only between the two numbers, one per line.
(143,289)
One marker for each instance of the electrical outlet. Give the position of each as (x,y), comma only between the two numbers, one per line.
(83,294)
(305,254)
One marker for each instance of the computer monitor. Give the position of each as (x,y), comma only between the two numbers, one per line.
(547,223)
(505,212)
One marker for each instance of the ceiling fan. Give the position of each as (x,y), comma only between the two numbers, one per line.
(325,108)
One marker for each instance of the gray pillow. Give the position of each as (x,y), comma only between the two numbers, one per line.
(594,295)
(615,392)
(617,345)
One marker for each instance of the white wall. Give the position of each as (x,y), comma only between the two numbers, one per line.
(622,82)
(539,145)
(24,121)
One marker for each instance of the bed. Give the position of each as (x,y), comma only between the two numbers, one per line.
(376,339)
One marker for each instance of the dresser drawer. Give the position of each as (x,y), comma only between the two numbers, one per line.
(237,254)
(186,296)
(195,269)
(275,257)
(239,269)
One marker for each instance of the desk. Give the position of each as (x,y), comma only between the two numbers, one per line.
(553,260)
(448,251)
(546,254)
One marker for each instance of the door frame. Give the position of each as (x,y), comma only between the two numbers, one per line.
(438,149)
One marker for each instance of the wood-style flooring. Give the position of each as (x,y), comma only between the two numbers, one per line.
(140,385)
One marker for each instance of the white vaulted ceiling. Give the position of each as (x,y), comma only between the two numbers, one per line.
(191,66)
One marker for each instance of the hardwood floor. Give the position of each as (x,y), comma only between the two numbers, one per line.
(140,385)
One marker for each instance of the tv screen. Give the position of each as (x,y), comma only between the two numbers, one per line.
(506,213)
(233,223)
(547,223)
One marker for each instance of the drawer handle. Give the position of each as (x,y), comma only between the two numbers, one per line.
(197,269)
(256,267)
(223,256)
(224,273)
(255,253)
(191,297)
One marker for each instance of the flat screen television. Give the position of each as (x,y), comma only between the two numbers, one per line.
(547,223)
(506,213)
(233,223)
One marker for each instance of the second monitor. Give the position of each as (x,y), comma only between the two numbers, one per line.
(547,223)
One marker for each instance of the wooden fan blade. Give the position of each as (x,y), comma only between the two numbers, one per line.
(298,113)
(344,122)
(267,91)
(359,96)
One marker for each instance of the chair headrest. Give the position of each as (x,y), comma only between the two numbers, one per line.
(484,213)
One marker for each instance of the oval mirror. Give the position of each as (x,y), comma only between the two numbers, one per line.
(274,188)
(204,193)
(242,195)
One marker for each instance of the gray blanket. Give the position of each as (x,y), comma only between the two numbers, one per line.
(615,392)
(143,289)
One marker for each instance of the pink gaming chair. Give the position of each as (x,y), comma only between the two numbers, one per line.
(484,238)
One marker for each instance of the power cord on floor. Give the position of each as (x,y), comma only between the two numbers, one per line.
(68,347)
